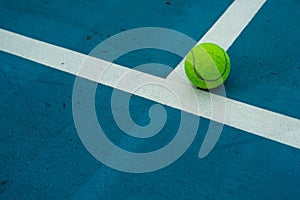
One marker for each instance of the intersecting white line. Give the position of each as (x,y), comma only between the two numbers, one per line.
(239,115)
(234,20)
(228,27)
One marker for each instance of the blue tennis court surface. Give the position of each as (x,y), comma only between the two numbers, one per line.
(43,154)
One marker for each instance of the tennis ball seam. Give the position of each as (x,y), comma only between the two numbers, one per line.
(207,80)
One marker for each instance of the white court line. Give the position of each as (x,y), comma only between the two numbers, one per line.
(239,115)
(228,27)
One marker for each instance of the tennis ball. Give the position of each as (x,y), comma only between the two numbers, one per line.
(207,66)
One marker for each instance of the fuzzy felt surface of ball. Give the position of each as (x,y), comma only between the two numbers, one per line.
(207,66)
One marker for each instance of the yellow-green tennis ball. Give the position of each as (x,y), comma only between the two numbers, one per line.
(207,66)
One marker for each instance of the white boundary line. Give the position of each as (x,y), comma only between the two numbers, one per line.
(228,27)
(234,20)
(239,115)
